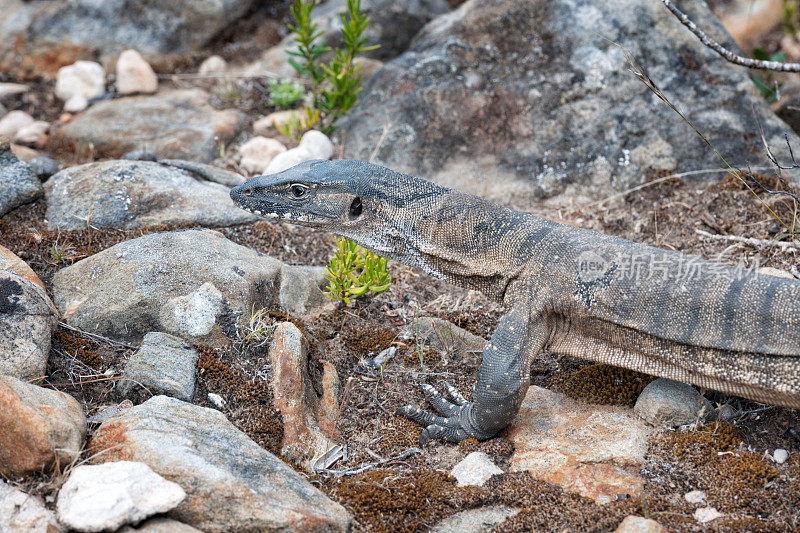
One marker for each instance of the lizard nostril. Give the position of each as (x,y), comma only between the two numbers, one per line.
(248,192)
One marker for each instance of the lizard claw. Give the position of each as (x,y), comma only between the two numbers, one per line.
(450,427)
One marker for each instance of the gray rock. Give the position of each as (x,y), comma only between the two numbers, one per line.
(135,194)
(122,291)
(671,403)
(475,469)
(23,513)
(18,183)
(163,364)
(232,484)
(301,290)
(160,525)
(518,100)
(42,429)
(43,166)
(206,172)
(482,520)
(27,321)
(176,124)
(157,27)
(108,496)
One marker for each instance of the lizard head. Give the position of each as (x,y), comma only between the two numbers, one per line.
(311,194)
(369,204)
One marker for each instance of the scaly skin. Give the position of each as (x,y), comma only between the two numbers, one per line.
(569,291)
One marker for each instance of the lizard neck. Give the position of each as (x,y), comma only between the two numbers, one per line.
(465,240)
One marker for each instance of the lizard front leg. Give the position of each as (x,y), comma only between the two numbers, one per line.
(502,383)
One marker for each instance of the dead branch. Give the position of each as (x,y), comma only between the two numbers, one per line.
(724,52)
(758,243)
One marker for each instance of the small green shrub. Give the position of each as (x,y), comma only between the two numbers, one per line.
(334,86)
(284,93)
(293,128)
(354,271)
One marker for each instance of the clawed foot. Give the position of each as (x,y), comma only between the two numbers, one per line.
(454,424)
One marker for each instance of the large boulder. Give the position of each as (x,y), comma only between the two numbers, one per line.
(18,184)
(521,99)
(175,124)
(232,484)
(34,35)
(135,194)
(27,322)
(185,283)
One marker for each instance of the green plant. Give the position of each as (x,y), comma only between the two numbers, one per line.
(259,328)
(334,86)
(789,16)
(293,128)
(354,271)
(768,87)
(284,93)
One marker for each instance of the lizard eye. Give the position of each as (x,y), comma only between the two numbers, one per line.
(298,190)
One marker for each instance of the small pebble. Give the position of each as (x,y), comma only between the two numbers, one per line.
(213,65)
(780,455)
(707,514)
(134,74)
(85,78)
(43,167)
(76,104)
(695,496)
(140,155)
(217,400)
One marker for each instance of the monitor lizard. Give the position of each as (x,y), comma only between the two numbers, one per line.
(568,290)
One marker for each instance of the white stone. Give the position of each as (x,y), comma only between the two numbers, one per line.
(695,496)
(313,145)
(13,121)
(258,152)
(105,497)
(11,89)
(780,455)
(475,469)
(76,104)
(213,65)
(194,314)
(134,74)
(707,514)
(218,401)
(23,513)
(85,78)
(32,133)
